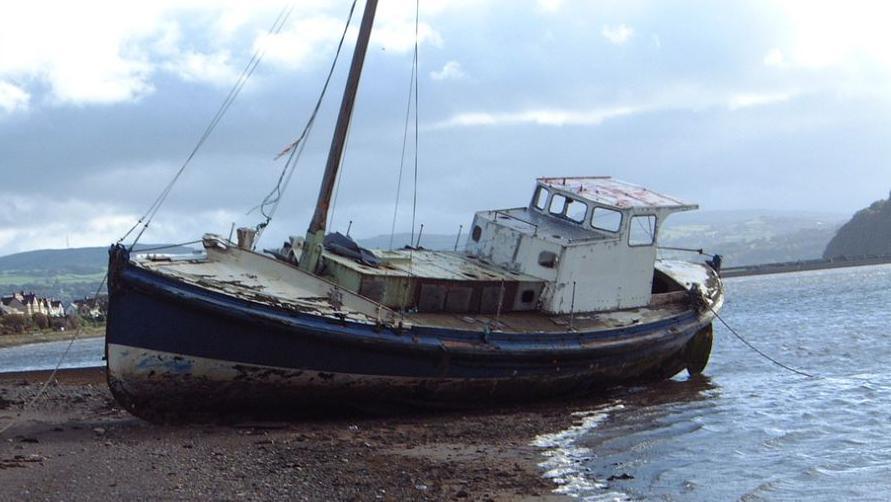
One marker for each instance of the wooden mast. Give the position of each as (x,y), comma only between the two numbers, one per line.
(315,235)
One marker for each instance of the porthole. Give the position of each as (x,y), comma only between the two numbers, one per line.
(476,233)
(527,296)
(547,259)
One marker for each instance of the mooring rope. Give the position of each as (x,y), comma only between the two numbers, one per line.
(759,352)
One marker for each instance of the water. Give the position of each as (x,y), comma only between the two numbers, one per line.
(750,430)
(41,356)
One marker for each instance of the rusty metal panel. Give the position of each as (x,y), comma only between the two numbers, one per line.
(373,288)
(458,299)
(431,297)
(612,192)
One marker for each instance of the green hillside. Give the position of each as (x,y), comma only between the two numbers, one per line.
(65,274)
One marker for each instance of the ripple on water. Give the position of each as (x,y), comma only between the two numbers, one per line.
(749,430)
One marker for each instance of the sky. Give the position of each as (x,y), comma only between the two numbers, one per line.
(776,105)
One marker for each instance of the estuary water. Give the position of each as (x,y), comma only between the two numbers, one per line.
(747,429)
(43,356)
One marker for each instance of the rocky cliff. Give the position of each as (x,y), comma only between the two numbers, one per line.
(867,234)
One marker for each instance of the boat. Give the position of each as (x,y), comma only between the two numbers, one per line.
(563,295)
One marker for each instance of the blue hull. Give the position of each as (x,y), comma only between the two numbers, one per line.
(175,346)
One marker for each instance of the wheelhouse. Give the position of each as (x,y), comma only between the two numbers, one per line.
(592,238)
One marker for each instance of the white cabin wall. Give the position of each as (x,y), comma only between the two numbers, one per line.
(608,275)
(498,244)
(527,257)
(511,249)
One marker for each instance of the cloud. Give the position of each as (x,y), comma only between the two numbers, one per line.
(71,57)
(617,35)
(669,99)
(828,34)
(160,69)
(450,71)
(13,98)
(299,44)
(39,222)
(549,5)
(739,101)
(81,61)
(545,117)
(775,58)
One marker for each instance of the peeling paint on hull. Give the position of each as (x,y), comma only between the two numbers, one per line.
(150,382)
(173,346)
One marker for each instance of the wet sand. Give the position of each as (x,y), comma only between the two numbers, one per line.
(77,444)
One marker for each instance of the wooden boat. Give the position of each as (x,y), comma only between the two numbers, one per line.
(563,295)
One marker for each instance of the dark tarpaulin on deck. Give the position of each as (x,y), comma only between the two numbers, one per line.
(343,245)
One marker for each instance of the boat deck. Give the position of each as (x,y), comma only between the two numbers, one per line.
(257,278)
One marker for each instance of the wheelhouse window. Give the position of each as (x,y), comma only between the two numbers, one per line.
(608,220)
(576,210)
(567,207)
(642,231)
(558,204)
(541,198)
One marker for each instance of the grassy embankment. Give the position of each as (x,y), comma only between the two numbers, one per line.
(50,336)
(16,278)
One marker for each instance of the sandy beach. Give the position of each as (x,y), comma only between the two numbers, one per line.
(75,443)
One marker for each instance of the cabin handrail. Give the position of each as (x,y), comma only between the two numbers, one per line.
(510,216)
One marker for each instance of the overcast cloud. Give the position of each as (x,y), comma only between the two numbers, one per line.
(735,105)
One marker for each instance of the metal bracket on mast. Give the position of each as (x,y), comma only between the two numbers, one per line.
(315,235)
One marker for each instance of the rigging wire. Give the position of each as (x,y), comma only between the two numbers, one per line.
(411,86)
(240,82)
(346,145)
(412,100)
(414,206)
(270,203)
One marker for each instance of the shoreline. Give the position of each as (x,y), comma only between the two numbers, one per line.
(17,340)
(77,444)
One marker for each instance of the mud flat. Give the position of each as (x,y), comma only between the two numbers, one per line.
(76,444)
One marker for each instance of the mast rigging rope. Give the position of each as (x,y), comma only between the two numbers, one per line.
(414,205)
(412,93)
(273,198)
(246,73)
(411,86)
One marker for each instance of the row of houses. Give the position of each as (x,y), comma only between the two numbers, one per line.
(28,304)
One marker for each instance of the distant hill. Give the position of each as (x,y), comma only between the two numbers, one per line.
(868,233)
(744,237)
(753,237)
(65,274)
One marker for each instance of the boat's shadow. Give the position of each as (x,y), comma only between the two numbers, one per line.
(675,391)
